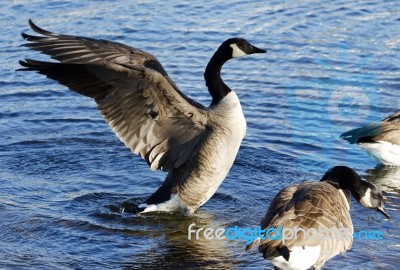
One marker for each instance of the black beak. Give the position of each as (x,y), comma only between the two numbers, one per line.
(257,50)
(383,211)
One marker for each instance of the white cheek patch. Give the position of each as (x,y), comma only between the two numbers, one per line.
(366,199)
(236,52)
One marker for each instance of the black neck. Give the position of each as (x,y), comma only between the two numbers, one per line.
(358,189)
(217,88)
(353,185)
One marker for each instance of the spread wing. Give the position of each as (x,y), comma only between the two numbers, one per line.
(135,95)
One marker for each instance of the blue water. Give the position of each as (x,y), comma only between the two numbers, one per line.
(65,178)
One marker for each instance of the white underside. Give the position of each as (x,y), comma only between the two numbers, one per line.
(386,152)
(300,258)
(172,205)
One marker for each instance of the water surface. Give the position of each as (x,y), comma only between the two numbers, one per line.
(65,177)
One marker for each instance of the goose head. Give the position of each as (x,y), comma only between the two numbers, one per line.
(371,197)
(366,193)
(237,47)
(230,48)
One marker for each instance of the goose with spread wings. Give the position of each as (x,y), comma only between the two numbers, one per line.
(194,144)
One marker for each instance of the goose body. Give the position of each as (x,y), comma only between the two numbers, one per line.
(322,206)
(194,144)
(219,154)
(380,140)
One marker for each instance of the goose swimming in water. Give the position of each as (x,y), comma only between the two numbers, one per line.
(380,140)
(321,206)
(196,145)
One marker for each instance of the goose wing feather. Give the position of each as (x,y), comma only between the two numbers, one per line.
(393,117)
(386,131)
(305,206)
(135,95)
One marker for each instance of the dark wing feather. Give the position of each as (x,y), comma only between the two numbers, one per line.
(137,99)
(83,50)
(385,131)
(392,118)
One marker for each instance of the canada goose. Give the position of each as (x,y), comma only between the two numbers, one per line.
(380,140)
(315,205)
(196,145)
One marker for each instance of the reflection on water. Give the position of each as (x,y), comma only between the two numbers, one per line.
(386,177)
(162,237)
(177,250)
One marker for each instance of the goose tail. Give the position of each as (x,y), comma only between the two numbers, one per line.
(357,135)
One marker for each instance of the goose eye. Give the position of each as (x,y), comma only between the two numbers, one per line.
(376,196)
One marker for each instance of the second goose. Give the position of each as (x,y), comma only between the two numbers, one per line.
(316,206)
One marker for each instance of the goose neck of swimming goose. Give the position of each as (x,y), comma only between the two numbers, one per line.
(212,75)
(358,190)
(352,185)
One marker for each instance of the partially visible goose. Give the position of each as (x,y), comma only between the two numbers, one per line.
(380,140)
(194,144)
(318,205)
